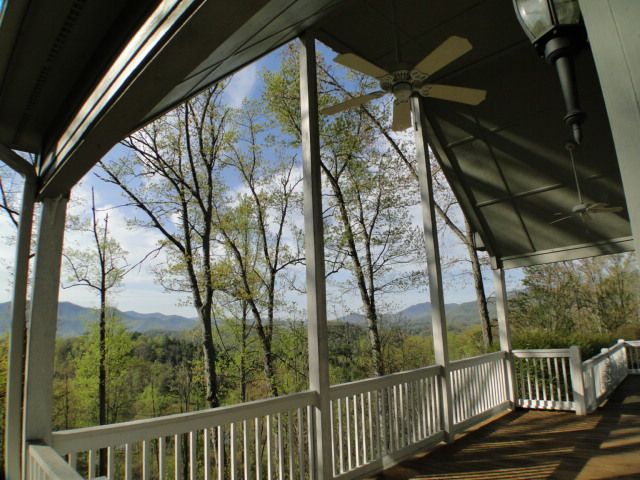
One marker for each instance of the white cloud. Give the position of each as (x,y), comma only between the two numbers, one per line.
(241,85)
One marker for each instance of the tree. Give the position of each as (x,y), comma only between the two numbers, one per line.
(171,179)
(253,231)
(8,193)
(119,365)
(589,296)
(368,229)
(100,267)
(443,202)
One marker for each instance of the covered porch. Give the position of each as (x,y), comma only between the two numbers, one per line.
(164,52)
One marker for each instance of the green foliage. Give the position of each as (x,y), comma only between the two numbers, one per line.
(79,365)
(589,303)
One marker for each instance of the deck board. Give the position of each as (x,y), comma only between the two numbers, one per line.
(542,445)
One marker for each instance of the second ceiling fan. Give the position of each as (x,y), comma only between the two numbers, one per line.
(403,83)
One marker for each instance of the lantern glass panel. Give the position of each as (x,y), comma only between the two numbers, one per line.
(567,11)
(535,16)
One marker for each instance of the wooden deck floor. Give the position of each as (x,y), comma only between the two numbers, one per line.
(542,445)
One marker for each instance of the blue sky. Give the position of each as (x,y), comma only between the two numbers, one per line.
(141,293)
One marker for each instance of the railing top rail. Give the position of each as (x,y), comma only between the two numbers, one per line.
(81,439)
(477,360)
(52,464)
(377,383)
(633,343)
(542,353)
(602,356)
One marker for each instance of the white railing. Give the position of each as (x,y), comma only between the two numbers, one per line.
(479,388)
(44,463)
(633,356)
(603,373)
(375,423)
(263,439)
(379,421)
(544,379)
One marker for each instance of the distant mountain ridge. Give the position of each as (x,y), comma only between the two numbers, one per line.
(72,320)
(418,316)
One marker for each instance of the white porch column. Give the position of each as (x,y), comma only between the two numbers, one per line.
(614,29)
(438,317)
(15,369)
(38,388)
(314,252)
(505,332)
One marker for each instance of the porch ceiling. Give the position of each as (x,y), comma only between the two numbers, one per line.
(505,158)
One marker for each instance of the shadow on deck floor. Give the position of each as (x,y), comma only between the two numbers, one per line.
(542,445)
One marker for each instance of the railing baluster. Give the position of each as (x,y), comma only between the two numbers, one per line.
(426,406)
(422,408)
(177,460)
(383,416)
(92,464)
(311,439)
(340,436)
(128,461)
(193,455)
(258,435)
(146,453)
(290,443)
(564,378)
(301,465)
(161,458)
(551,393)
(356,436)
(72,460)
(220,451)
(111,462)
(232,451)
(396,432)
(245,449)
(363,429)
(269,449)
(206,453)
(371,433)
(280,449)
(347,414)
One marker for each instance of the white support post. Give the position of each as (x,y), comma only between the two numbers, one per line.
(38,398)
(504,329)
(314,252)
(613,29)
(577,380)
(438,318)
(589,382)
(15,370)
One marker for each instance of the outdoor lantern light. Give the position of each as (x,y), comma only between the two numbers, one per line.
(556,30)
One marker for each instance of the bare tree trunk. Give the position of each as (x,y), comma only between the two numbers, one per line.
(102,377)
(478,283)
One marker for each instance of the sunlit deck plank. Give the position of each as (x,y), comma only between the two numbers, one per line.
(542,445)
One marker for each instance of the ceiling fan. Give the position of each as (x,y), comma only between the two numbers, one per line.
(403,83)
(582,209)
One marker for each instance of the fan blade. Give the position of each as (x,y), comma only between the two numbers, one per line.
(401,116)
(448,51)
(562,219)
(469,96)
(603,208)
(356,62)
(351,103)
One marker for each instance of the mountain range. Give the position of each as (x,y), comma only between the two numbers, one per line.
(72,318)
(418,316)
